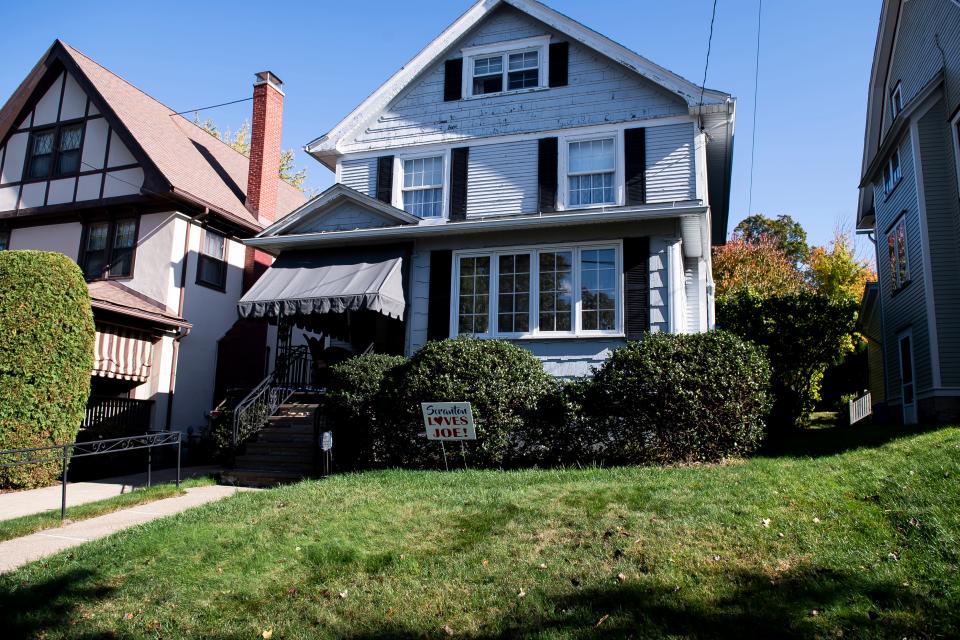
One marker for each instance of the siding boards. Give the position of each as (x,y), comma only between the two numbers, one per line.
(360,175)
(599,91)
(671,175)
(502,179)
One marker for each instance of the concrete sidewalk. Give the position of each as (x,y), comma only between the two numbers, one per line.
(18,552)
(24,503)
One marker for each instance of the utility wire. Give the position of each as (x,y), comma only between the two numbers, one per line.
(706,66)
(756,90)
(214,106)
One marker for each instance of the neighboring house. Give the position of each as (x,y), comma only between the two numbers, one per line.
(154,210)
(524,178)
(909,206)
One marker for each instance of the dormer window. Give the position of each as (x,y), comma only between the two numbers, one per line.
(896,101)
(505,67)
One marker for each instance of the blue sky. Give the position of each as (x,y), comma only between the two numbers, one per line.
(814,70)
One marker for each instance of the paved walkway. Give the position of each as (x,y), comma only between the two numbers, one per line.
(20,551)
(24,503)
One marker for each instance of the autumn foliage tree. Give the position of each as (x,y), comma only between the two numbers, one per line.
(837,272)
(760,266)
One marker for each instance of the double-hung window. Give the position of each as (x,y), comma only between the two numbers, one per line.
(896,101)
(897,249)
(591,172)
(211,264)
(509,66)
(422,187)
(530,292)
(108,249)
(54,151)
(891,173)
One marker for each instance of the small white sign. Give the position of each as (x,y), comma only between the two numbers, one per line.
(326,441)
(448,420)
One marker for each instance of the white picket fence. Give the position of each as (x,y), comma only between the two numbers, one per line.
(860,408)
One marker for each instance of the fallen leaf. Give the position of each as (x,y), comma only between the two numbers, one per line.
(816,520)
(716,558)
(485,563)
(543,565)
(344,594)
(291,591)
(390,612)
(780,535)
(448,630)
(267,633)
(915,522)
(522,593)
(814,613)
(128,616)
(621,578)
(766,522)
(602,620)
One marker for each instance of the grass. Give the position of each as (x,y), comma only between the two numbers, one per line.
(853,533)
(25,525)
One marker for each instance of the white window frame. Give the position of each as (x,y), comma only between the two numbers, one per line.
(896,101)
(896,284)
(890,181)
(540,44)
(397,196)
(563,170)
(534,250)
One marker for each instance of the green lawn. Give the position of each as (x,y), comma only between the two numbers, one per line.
(855,534)
(17,527)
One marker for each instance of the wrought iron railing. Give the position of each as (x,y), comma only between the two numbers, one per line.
(293,372)
(63,453)
(117,414)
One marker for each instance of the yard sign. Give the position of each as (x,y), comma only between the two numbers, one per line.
(450,421)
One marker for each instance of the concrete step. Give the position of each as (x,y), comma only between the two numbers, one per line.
(261,461)
(261,478)
(288,448)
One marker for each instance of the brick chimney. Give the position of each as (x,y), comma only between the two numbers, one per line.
(263,177)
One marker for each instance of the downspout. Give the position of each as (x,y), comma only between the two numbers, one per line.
(181,333)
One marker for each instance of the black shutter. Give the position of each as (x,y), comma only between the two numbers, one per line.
(635,165)
(458,183)
(438,307)
(636,286)
(385,179)
(559,63)
(453,80)
(547,173)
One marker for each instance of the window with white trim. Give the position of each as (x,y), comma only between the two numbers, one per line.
(506,66)
(422,188)
(896,101)
(591,172)
(212,262)
(897,249)
(545,291)
(892,173)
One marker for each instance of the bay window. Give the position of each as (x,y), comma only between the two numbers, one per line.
(531,292)
(422,187)
(591,171)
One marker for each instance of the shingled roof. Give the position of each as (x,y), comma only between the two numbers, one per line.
(195,165)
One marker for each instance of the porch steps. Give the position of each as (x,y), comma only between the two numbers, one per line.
(283,451)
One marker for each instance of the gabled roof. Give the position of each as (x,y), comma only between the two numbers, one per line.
(325,147)
(324,202)
(191,164)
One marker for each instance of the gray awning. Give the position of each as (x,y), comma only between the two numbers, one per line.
(304,283)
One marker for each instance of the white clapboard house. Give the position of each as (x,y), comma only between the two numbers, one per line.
(523,178)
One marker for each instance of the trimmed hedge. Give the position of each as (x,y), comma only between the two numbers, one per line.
(352,404)
(504,383)
(46,355)
(679,398)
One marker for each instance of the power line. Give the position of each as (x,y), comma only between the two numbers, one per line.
(706,66)
(214,106)
(756,91)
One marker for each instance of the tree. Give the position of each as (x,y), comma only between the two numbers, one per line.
(788,235)
(240,140)
(760,266)
(837,272)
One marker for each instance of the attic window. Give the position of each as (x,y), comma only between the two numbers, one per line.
(896,101)
(505,67)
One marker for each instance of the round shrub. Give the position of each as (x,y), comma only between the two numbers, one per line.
(680,398)
(559,433)
(46,355)
(351,404)
(504,383)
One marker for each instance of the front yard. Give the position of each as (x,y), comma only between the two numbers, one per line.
(857,536)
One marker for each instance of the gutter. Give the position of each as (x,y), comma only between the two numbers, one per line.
(276,244)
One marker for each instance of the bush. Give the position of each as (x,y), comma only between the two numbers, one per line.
(504,383)
(352,402)
(559,433)
(680,398)
(803,334)
(46,355)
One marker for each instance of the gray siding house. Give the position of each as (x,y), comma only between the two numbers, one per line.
(524,178)
(909,206)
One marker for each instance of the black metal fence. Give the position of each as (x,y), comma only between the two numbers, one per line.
(63,453)
(117,414)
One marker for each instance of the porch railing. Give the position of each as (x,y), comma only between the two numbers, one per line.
(860,408)
(117,414)
(293,372)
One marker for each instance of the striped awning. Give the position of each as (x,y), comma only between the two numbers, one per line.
(123,354)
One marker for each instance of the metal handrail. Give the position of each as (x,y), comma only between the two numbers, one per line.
(95,448)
